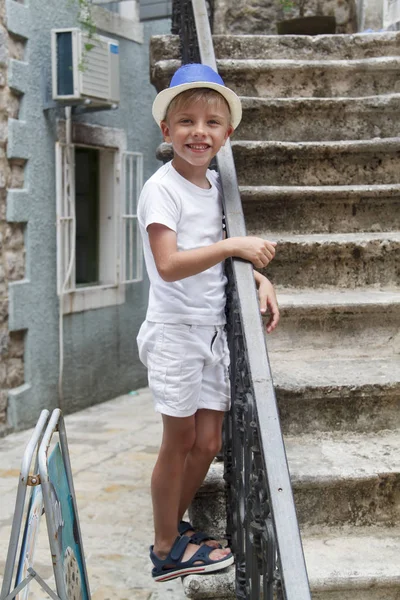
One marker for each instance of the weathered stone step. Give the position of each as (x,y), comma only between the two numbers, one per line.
(299,78)
(341,479)
(338,479)
(304,119)
(317,323)
(345,47)
(354,564)
(336,260)
(349,394)
(318,209)
(358,162)
(349,564)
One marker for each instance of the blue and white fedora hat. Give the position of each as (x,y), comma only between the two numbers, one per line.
(192,76)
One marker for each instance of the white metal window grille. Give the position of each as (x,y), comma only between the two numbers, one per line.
(66,222)
(131,252)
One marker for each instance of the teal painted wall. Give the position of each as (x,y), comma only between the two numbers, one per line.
(99,345)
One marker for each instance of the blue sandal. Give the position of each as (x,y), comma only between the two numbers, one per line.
(163,571)
(198,537)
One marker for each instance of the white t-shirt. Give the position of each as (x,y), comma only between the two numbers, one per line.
(195,214)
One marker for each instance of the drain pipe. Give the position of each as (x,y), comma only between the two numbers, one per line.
(69,196)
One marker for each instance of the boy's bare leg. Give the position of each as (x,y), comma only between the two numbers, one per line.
(207,444)
(167,483)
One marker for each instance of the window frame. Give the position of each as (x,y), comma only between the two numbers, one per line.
(77,299)
(118,24)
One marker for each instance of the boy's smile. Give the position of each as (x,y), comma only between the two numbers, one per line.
(197,133)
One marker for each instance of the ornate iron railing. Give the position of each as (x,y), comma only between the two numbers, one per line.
(262,526)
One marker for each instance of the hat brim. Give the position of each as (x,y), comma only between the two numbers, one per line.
(165,97)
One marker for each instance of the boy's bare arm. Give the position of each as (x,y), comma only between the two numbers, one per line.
(174,265)
(268,300)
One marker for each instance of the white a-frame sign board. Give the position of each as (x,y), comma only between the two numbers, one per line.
(52,491)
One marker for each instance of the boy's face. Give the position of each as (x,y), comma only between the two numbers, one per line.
(197,131)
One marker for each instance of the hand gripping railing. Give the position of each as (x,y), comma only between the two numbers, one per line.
(262,523)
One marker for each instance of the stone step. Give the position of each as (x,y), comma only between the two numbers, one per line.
(338,479)
(342,565)
(336,261)
(356,162)
(342,479)
(266,78)
(359,164)
(350,394)
(350,323)
(354,564)
(318,209)
(305,119)
(294,47)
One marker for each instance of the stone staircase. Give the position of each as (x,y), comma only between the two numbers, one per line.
(318,163)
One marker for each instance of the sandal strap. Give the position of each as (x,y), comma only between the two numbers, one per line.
(203,554)
(179,548)
(174,555)
(199,537)
(185,526)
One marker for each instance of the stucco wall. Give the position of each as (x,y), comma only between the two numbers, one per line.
(99,345)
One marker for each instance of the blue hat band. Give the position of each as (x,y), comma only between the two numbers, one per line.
(195,73)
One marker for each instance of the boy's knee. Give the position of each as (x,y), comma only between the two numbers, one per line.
(182,442)
(209,446)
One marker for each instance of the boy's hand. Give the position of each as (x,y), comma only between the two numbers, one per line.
(267,299)
(254,249)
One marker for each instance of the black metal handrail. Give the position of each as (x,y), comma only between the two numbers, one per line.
(262,525)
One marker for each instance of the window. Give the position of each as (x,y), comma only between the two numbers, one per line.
(155,9)
(118,18)
(99,248)
(111,6)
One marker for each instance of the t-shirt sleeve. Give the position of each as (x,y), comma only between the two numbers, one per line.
(158,205)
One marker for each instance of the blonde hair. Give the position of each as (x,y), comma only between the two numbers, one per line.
(207,95)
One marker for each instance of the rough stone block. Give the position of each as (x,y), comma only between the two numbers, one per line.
(4,338)
(3,406)
(362,162)
(15,372)
(15,265)
(16,174)
(208,509)
(271,210)
(253,17)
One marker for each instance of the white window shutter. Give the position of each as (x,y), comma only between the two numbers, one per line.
(131,242)
(66,222)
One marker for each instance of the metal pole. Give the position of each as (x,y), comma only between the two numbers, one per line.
(20,503)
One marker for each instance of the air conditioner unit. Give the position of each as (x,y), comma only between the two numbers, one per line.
(84,69)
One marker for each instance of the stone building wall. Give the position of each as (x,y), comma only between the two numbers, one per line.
(261,16)
(12,243)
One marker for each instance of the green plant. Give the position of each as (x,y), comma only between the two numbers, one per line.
(289,5)
(85,18)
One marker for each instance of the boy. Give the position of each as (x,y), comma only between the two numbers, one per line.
(183,340)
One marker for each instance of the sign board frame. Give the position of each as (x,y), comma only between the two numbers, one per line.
(53,473)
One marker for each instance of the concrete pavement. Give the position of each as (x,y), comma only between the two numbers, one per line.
(113,447)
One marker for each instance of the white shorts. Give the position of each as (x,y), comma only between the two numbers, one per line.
(188,367)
